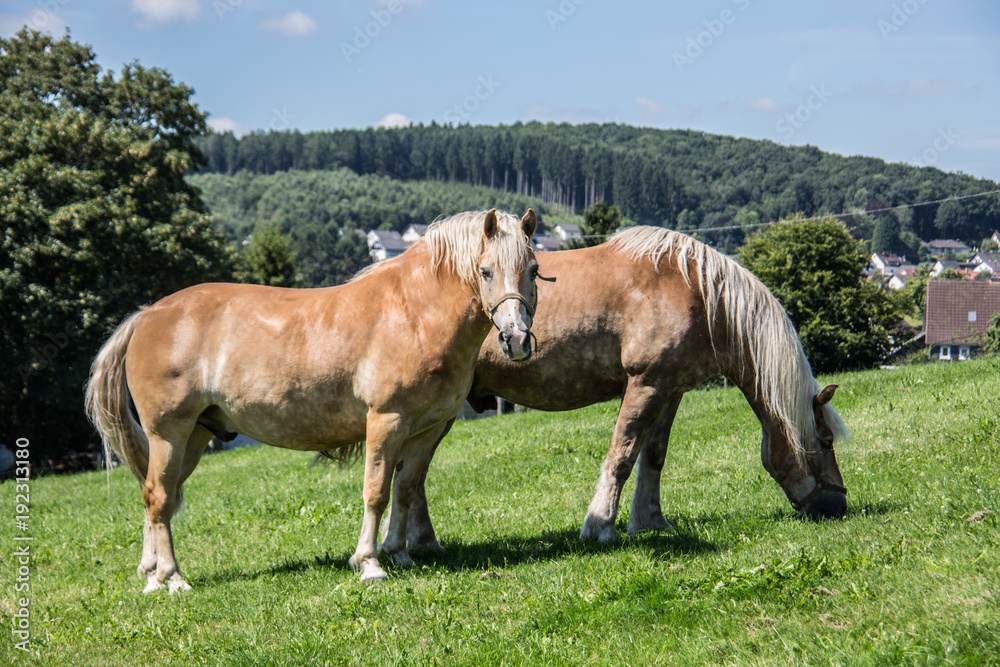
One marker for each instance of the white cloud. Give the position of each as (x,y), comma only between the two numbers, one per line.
(164,12)
(394,119)
(762,104)
(225,124)
(295,24)
(648,106)
(910,89)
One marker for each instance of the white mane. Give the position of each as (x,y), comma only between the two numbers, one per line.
(756,322)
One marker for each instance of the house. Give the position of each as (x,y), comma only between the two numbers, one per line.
(902,274)
(545,243)
(885,262)
(938,247)
(385,245)
(964,269)
(957,315)
(414,233)
(986,261)
(568,231)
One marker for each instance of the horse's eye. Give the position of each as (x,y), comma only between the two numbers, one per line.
(533,272)
(485,273)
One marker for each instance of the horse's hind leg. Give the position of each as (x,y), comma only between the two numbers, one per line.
(162,496)
(646,512)
(641,405)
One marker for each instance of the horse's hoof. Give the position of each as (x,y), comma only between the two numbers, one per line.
(656,523)
(373,575)
(595,530)
(152,585)
(432,545)
(177,584)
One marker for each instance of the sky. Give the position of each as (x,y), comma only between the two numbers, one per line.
(912,81)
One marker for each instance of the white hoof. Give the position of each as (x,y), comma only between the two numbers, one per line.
(152,585)
(177,584)
(595,530)
(369,568)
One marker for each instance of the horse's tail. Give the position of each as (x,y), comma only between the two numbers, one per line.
(109,403)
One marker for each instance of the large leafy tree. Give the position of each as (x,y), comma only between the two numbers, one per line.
(815,270)
(97,219)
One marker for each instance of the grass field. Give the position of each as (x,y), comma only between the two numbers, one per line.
(910,576)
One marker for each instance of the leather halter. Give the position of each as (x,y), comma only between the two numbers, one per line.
(821,484)
(492,309)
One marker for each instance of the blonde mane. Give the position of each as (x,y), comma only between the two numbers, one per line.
(456,243)
(756,322)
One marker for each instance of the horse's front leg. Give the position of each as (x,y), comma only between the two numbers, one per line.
(646,512)
(409,500)
(641,405)
(418,526)
(383,438)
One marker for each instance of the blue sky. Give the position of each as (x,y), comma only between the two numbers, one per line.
(904,80)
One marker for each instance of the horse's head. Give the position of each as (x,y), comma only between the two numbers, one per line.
(811,481)
(507,272)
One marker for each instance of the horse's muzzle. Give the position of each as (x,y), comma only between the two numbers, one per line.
(826,505)
(516,345)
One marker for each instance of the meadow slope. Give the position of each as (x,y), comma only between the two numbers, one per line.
(910,576)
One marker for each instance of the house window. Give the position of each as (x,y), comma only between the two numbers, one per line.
(963,352)
(972,315)
(945,352)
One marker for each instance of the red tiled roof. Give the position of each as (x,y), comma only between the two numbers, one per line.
(959,311)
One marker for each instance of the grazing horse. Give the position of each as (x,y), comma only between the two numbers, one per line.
(647,317)
(379,365)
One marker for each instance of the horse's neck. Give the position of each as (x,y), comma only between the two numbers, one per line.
(445,301)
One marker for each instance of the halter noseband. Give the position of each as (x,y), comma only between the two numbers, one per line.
(492,309)
(821,484)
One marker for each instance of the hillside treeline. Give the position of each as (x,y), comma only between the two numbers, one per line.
(678,178)
(318,211)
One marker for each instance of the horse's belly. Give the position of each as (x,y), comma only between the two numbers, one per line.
(305,425)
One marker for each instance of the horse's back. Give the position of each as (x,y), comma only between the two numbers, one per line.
(605,318)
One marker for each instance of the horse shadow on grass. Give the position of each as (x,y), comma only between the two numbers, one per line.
(492,554)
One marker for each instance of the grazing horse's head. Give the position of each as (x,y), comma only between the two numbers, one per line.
(507,272)
(812,480)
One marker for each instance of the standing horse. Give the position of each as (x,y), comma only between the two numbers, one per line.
(647,317)
(386,359)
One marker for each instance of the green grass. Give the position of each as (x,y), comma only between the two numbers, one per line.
(905,578)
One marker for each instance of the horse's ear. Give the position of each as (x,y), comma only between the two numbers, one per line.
(528,223)
(490,224)
(824,396)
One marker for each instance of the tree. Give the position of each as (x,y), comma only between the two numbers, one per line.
(886,235)
(599,222)
(270,258)
(815,271)
(951,219)
(992,343)
(97,220)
